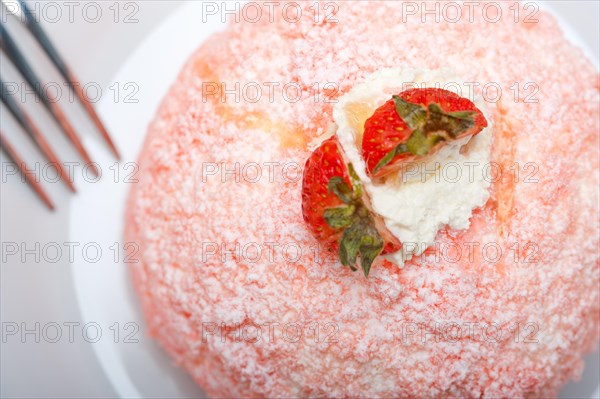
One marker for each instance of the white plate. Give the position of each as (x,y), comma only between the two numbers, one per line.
(103,289)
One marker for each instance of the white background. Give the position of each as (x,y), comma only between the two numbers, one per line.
(42,292)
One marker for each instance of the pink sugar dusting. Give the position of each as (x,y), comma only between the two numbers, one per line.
(176,214)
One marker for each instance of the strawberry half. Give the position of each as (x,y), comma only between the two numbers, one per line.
(415,123)
(333,208)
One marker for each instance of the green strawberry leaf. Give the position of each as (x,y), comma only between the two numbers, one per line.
(338,186)
(350,244)
(399,149)
(414,115)
(452,123)
(429,127)
(360,236)
(417,143)
(371,245)
(339,217)
(356,184)
(468,115)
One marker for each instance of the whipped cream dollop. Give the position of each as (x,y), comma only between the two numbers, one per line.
(438,190)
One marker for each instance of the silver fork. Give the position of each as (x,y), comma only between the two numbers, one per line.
(11,50)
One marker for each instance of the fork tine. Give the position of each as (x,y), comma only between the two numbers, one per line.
(36,30)
(68,128)
(34,133)
(14,156)
(17,58)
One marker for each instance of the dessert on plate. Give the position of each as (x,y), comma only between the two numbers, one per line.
(369,203)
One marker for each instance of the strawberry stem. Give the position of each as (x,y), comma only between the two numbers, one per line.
(429,126)
(360,236)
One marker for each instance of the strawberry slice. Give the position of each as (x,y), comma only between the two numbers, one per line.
(334,210)
(415,123)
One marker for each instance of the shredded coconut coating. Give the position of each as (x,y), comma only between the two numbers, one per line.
(378,335)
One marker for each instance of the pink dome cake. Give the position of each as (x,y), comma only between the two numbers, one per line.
(239,292)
